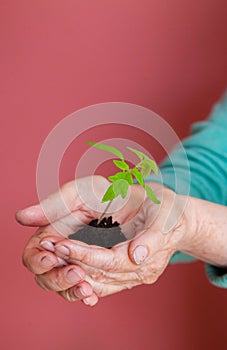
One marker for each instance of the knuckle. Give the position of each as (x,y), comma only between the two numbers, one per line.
(98,275)
(57,285)
(100,291)
(39,235)
(50,282)
(150,279)
(28,263)
(147,276)
(41,283)
(88,257)
(68,295)
(115,263)
(58,281)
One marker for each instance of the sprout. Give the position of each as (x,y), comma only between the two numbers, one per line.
(121,181)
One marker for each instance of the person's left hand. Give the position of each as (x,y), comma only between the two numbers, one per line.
(141,260)
(137,261)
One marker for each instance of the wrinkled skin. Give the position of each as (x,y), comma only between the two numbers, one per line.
(90,272)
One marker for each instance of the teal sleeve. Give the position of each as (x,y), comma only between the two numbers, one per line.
(198,167)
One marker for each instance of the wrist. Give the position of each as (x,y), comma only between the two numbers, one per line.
(188,227)
(205,226)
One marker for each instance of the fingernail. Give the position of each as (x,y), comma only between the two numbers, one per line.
(140,253)
(61,262)
(82,292)
(62,249)
(90,301)
(47,261)
(73,276)
(47,245)
(29,210)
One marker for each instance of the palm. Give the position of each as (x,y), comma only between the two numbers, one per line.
(107,271)
(110,271)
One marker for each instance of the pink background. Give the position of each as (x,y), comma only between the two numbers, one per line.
(59,56)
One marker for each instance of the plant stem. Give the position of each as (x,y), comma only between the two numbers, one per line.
(104,212)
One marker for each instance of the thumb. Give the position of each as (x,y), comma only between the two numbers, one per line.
(50,209)
(145,245)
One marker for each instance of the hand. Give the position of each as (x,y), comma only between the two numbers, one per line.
(59,215)
(107,271)
(138,261)
(60,212)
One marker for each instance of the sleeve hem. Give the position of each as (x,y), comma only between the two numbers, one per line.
(216,275)
(180,257)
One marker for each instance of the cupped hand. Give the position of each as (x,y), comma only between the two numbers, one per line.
(59,215)
(156,234)
(154,231)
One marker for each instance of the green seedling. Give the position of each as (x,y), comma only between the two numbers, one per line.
(121,181)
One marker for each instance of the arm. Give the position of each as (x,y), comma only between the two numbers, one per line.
(206,151)
(200,232)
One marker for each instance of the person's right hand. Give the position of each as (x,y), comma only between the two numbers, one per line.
(136,217)
(186,224)
(158,231)
(59,215)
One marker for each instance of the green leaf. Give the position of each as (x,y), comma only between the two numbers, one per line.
(143,156)
(138,175)
(139,154)
(109,194)
(121,176)
(153,165)
(145,168)
(120,187)
(129,178)
(121,164)
(107,148)
(151,194)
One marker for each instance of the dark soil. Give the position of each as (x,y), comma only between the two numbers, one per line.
(105,234)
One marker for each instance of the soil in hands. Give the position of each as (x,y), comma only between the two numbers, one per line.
(106,233)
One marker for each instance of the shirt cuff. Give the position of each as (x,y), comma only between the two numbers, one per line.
(217,275)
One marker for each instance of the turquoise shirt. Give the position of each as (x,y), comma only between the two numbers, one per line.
(206,158)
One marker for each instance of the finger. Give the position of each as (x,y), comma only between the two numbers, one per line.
(72,196)
(146,244)
(81,291)
(96,291)
(95,256)
(50,209)
(84,291)
(38,261)
(111,260)
(59,279)
(71,223)
(104,289)
(91,301)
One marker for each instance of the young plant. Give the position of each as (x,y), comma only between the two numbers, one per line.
(121,181)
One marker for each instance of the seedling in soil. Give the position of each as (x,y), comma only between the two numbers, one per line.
(120,183)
